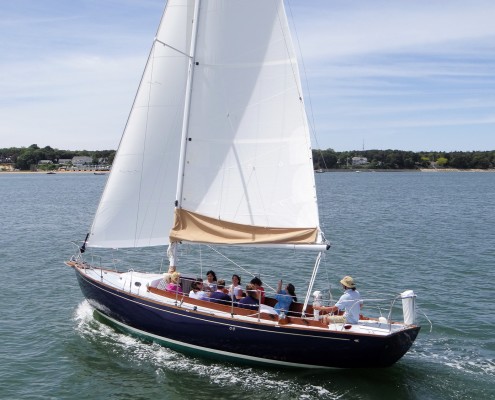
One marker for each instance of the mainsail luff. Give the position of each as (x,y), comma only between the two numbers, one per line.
(187,105)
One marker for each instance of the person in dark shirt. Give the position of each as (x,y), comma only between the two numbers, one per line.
(258,285)
(251,300)
(219,296)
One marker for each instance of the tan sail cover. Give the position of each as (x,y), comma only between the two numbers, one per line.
(198,228)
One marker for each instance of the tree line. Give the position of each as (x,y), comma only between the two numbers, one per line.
(398,159)
(24,158)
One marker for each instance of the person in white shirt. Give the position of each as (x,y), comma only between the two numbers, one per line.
(235,290)
(211,282)
(350,302)
(197,291)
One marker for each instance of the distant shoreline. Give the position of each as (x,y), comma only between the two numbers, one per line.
(426,170)
(55,172)
(457,170)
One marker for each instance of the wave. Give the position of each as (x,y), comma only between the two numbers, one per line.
(468,358)
(428,354)
(224,376)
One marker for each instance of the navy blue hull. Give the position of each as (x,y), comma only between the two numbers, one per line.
(251,342)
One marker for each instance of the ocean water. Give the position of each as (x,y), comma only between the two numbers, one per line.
(433,233)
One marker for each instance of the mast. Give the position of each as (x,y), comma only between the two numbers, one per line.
(185,121)
(172,249)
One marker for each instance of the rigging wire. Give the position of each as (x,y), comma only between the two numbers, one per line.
(311,119)
(237,265)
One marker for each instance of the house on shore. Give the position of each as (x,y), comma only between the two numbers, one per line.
(359,161)
(80,161)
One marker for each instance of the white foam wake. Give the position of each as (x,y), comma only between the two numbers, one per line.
(164,360)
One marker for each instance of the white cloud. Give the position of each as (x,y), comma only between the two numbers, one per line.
(401,74)
(410,69)
(368,27)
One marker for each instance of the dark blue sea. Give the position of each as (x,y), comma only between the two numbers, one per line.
(433,233)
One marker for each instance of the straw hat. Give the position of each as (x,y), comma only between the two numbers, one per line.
(348,282)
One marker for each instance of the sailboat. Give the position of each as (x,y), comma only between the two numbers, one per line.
(216,151)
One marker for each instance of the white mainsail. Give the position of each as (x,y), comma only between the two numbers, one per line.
(247,173)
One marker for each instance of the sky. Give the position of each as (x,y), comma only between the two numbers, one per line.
(397,74)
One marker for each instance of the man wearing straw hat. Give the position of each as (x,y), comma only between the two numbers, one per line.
(350,302)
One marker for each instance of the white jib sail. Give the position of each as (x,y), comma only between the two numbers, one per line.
(136,208)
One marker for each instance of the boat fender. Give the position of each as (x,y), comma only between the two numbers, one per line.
(409,307)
